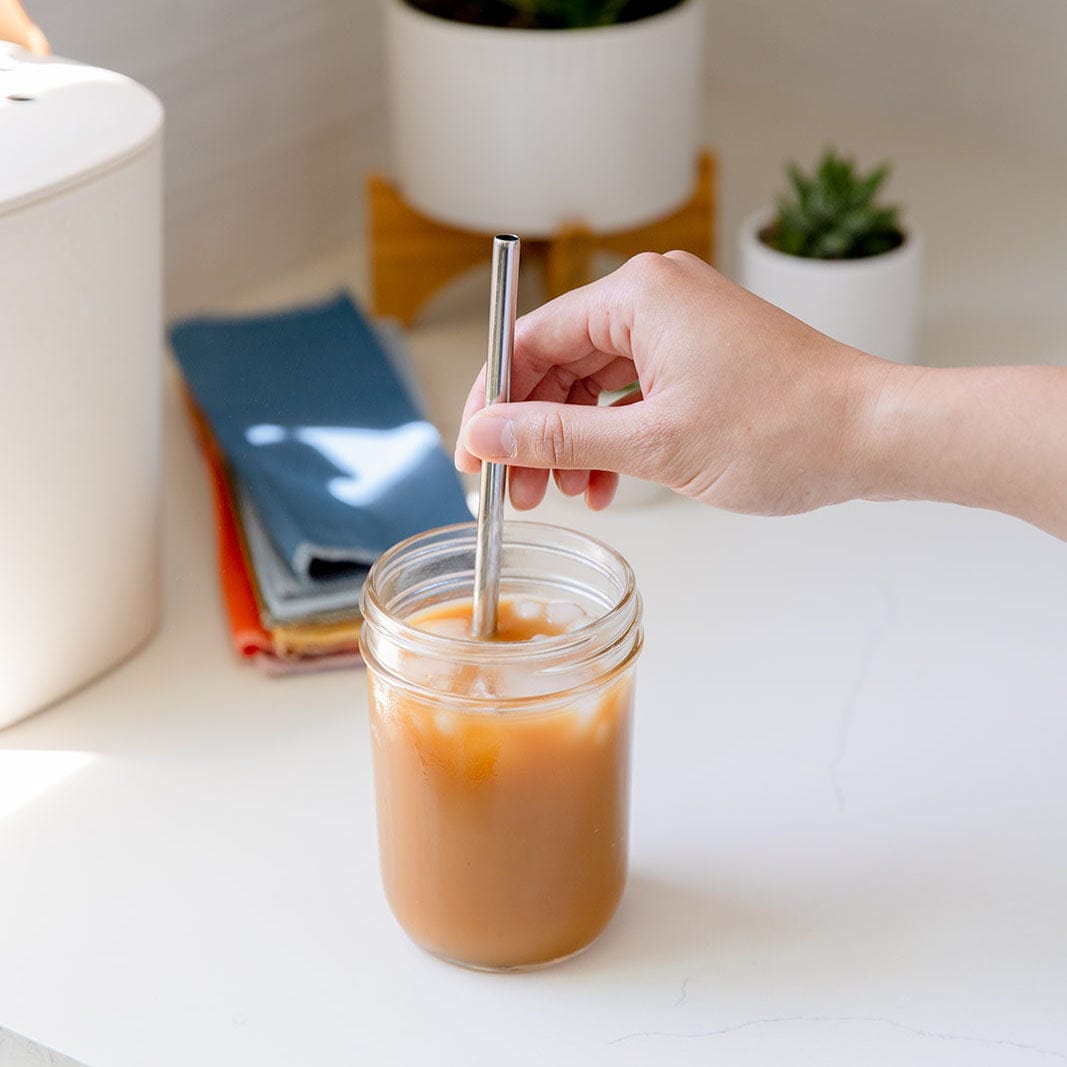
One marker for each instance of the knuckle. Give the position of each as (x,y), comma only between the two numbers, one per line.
(677,255)
(653,272)
(645,264)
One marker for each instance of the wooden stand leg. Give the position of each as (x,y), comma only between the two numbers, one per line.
(412,256)
(569,260)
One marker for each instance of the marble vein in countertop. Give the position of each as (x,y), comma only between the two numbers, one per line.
(875,640)
(867,1020)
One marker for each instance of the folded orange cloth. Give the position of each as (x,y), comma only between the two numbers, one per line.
(337,642)
(242,611)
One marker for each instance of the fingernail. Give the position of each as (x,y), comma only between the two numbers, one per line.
(490,437)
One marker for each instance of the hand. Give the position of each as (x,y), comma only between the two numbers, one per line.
(740,405)
(16,26)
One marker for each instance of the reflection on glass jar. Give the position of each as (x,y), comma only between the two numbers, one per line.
(502,767)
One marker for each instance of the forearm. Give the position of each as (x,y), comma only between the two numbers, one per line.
(987,437)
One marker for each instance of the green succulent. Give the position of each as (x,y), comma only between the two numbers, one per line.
(832,214)
(544,14)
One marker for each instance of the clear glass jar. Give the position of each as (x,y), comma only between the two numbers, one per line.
(502,768)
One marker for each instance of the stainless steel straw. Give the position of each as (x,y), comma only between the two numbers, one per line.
(503,285)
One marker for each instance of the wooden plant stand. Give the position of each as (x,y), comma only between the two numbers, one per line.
(412,257)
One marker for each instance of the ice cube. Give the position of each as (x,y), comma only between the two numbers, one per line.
(430,673)
(585,709)
(449,626)
(480,687)
(562,613)
(518,680)
(445,722)
(529,609)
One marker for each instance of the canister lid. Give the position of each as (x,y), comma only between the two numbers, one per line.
(62,122)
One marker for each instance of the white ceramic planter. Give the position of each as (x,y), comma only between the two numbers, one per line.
(870,303)
(524,130)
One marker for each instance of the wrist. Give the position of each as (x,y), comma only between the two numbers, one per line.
(885,396)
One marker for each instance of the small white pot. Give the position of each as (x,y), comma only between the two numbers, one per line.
(526,130)
(869,303)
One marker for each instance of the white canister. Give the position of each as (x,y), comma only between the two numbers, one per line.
(526,130)
(80,368)
(869,303)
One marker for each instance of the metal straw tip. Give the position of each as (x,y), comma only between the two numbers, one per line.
(510,238)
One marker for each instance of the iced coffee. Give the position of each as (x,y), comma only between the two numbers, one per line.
(502,766)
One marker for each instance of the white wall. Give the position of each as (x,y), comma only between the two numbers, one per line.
(273,117)
(985,68)
(275,107)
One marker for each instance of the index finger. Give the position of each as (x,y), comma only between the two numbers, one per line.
(581,332)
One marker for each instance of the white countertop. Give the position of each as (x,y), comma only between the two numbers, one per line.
(849,811)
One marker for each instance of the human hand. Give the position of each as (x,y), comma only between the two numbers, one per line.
(741,405)
(16,26)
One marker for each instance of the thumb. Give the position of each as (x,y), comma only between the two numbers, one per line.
(565,437)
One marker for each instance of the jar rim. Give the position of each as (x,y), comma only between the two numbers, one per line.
(537,704)
(587,638)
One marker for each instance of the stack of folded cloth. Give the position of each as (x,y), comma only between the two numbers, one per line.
(321,459)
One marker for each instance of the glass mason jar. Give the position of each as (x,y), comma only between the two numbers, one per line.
(502,767)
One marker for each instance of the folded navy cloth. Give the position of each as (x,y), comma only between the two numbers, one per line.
(310,413)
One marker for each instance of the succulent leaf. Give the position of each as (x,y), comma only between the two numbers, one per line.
(832,214)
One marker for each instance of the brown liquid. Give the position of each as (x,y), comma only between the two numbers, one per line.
(503,837)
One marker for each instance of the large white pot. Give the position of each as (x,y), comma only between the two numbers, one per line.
(869,303)
(524,130)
